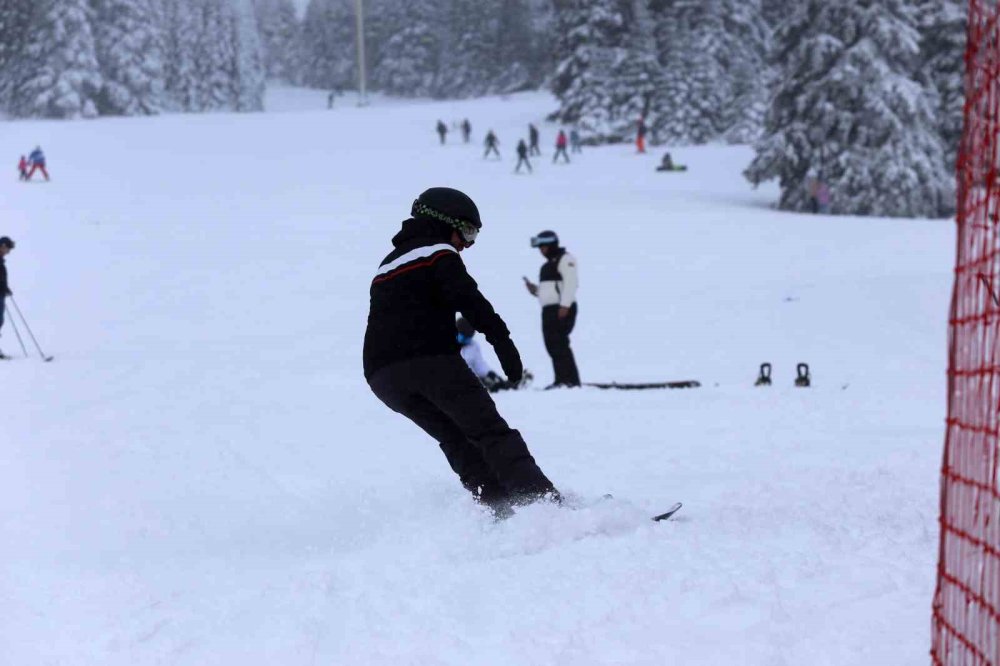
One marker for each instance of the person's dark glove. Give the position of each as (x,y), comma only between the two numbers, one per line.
(510,360)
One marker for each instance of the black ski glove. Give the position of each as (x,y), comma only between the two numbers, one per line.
(510,360)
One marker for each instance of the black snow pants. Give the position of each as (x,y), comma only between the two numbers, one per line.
(556,332)
(442,396)
(522,160)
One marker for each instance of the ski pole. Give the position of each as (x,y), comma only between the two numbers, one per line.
(30,334)
(13,323)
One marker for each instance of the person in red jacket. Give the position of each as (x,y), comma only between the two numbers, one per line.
(640,136)
(561,143)
(22,168)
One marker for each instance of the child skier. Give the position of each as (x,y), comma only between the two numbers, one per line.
(22,168)
(473,357)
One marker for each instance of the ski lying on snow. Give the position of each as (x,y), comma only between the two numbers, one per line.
(690,383)
(670,512)
(666,515)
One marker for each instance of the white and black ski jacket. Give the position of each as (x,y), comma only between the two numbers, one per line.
(415,294)
(558,280)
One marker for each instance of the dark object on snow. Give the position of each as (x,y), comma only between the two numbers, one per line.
(689,383)
(667,164)
(669,512)
(533,138)
(802,378)
(442,131)
(764,378)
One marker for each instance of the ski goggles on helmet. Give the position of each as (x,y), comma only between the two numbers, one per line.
(468,231)
(463,339)
(543,239)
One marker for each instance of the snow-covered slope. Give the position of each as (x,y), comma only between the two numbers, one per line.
(202,476)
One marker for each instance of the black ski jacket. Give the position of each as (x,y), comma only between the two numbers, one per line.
(3,279)
(415,294)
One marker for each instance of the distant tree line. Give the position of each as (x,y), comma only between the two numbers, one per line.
(863,94)
(84,58)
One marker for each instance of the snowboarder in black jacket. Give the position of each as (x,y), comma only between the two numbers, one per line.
(412,360)
(6,245)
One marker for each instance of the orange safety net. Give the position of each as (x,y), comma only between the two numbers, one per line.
(966,612)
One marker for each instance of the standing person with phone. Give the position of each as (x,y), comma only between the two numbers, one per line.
(556,292)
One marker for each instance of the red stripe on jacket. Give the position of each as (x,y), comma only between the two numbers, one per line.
(410,267)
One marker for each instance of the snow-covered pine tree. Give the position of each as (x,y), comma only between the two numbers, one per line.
(130,55)
(16,22)
(59,76)
(514,44)
(697,91)
(470,37)
(410,39)
(637,79)
(776,11)
(228,62)
(179,30)
(215,51)
(542,58)
(942,68)
(746,40)
(245,69)
(848,109)
(280,37)
(328,45)
(605,74)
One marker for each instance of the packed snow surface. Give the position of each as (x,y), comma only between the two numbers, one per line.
(203,477)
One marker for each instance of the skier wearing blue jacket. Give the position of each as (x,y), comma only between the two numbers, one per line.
(37,159)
